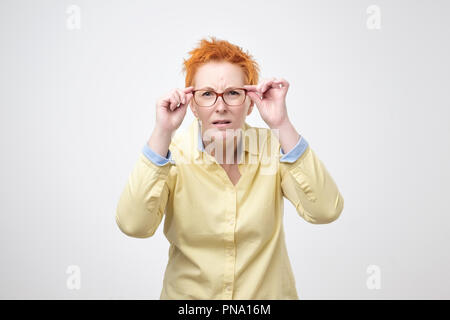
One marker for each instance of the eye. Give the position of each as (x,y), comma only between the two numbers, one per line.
(234,93)
(206,94)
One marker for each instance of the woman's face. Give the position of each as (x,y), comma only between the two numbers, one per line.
(219,76)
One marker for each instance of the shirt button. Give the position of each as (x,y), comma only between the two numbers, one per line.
(231,222)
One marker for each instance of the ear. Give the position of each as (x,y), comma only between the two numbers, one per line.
(193,109)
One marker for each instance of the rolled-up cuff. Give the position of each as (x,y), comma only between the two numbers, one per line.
(155,157)
(296,152)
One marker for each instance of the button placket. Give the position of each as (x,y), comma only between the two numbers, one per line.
(230,246)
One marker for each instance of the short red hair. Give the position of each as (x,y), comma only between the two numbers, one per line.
(220,50)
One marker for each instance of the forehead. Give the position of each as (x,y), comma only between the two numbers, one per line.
(219,75)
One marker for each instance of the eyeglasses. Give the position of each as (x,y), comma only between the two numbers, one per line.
(232,97)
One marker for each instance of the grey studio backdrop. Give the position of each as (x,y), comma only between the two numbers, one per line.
(368,89)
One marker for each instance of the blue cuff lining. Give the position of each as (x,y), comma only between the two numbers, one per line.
(296,152)
(155,157)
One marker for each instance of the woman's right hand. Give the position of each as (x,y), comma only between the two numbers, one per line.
(171,109)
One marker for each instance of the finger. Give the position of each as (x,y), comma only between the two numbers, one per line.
(264,87)
(254,93)
(268,84)
(275,84)
(254,97)
(188,97)
(188,89)
(259,86)
(177,95)
(284,83)
(165,102)
(250,87)
(181,95)
(173,103)
(187,93)
(181,108)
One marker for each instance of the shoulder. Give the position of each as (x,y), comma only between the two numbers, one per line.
(184,143)
(263,139)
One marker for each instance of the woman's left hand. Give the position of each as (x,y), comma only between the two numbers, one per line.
(272,105)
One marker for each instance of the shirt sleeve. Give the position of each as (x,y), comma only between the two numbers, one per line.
(143,201)
(296,152)
(307,184)
(155,157)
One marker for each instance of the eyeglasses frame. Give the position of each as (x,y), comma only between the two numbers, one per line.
(219,95)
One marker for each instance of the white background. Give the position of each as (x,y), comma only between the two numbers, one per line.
(77,105)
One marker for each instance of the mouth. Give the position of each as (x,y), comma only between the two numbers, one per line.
(222,123)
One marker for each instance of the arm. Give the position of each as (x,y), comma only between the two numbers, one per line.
(143,201)
(305,181)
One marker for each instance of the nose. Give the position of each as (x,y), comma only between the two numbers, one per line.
(220,105)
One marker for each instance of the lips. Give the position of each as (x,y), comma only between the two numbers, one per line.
(221,121)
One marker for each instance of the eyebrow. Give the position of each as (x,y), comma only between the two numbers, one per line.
(208,87)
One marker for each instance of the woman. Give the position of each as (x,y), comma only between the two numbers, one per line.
(224,219)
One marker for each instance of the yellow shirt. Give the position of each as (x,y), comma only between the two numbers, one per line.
(226,241)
